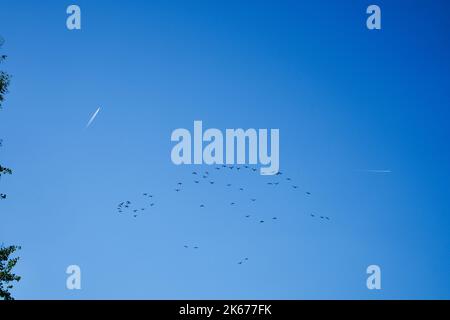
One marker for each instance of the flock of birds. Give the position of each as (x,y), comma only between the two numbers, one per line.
(204,177)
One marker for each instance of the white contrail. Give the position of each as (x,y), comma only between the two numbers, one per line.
(374,171)
(92,118)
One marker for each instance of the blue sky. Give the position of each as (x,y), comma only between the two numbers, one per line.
(345,99)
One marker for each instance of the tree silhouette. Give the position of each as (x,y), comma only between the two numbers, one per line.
(7,263)
(4,83)
(6,276)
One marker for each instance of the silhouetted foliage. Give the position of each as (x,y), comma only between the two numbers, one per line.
(7,263)
(7,277)
(4,82)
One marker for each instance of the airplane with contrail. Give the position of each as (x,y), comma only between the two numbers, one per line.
(92,118)
(374,171)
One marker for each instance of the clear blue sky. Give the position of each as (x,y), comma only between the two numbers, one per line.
(345,99)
